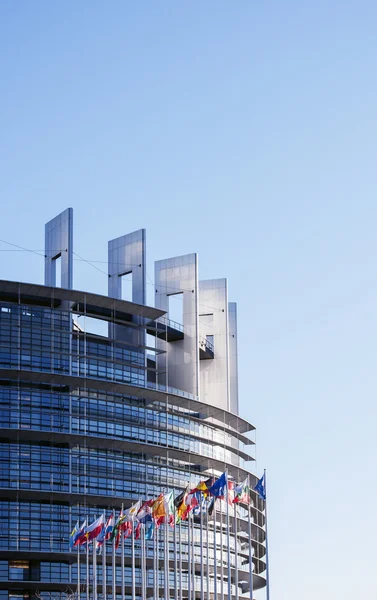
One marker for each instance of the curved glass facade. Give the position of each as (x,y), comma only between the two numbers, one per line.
(74,444)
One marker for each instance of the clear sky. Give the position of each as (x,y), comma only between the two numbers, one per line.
(245,131)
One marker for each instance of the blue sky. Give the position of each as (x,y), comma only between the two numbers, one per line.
(245,131)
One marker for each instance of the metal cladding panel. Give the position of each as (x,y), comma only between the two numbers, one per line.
(233,357)
(127,254)
(180,367)
(213,322)
(59,242)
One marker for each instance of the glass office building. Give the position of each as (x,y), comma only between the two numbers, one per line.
(105,400)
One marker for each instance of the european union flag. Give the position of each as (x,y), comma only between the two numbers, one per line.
(220,487)
(260,488)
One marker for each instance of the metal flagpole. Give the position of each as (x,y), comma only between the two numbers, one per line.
(180,561)
(94,570)
(175,561)
(235,549)
(214,551)
(145,570)
(207,552)
(166,560)
(133,559)
(265,527)
(104,590)
(122,559)
(228,545)
(114,571)
(87,564)
(78,571)
(221,552)
(157,563)
(87,570)
(165,579)
(122,565)
(188,558)
(142,563)
(250,546)
(193,556)
(201,548)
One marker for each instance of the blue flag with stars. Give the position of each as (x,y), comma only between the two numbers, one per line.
(260,488)
(220,487)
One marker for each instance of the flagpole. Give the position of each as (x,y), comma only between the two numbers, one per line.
(188,558)
(265,527)
(250,546)
(155,565)
(201,548)
(221,552)
(228,544)
(87,564)
(175,560)
(78,571)
(180,561)
(207,552)
(143,594)
(122,557)
(94,570)
(235,548)
(166,562)
(193,556)
(104,590)
(114,566)
(214,552)
(133,559)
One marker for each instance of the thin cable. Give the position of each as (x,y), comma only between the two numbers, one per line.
(22,248)
(91,264)
(105,262)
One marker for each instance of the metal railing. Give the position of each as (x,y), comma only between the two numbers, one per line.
(206,344)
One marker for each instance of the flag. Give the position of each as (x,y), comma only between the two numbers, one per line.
(260,488)
(159,510)
(109,526)
(204,486)
(201,507)
(149,529)
(230,492)
(80,537)
(144,514)
(188,501)
(72,537)
(106,531)
(170,508)
(211,506)
(128,517)
(181,510)
(93,530)
(131,512)
(115,535)
(127,527)
(242,492)
(220,487)
(179,499)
